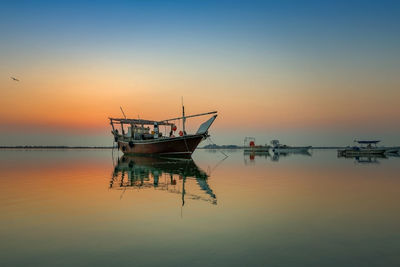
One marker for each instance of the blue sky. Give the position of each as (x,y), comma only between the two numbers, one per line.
(295,62)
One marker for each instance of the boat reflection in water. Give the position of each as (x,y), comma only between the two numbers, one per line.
(171,175)
(365,159)
(277,155)
(250,157)
(369,158)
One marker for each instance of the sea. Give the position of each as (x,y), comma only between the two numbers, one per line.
(83,207)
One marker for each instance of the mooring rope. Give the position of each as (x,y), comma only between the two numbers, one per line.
(212,143)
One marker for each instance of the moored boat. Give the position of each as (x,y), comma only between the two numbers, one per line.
(374,144)
(280,148)
(364,148)
(138,139)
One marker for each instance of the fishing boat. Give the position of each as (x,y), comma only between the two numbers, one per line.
(280,148)
(138,139)
(364,148)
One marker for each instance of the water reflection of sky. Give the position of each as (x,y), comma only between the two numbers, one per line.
(57,208)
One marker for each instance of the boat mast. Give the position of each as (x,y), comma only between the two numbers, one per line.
(183,118)
(122,125)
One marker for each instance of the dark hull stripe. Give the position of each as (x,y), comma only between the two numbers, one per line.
(170,146)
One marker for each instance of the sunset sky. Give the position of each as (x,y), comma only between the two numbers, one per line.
(304,72)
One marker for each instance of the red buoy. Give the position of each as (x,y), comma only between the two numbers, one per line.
(252,143)
(180,133)
(174,128)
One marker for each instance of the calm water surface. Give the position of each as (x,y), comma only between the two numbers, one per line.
(84,207)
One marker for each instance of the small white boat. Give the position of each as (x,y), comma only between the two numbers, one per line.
(279,148)
(364,148)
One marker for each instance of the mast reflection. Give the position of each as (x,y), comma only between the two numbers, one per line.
(171,175)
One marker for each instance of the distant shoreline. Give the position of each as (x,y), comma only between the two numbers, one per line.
(230,147)
(241,147)
(54,147)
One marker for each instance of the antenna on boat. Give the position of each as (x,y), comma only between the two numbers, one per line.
(122,111)
(183,118)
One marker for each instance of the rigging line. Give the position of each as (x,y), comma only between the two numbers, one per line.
(209,139)
(123,113)
(123,192)
(216,165)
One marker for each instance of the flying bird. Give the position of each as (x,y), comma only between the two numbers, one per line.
(14,79)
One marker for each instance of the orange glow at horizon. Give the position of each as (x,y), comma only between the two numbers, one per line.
(65,99)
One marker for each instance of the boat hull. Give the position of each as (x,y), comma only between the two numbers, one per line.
(290,149)
(182,146)
(390,150)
